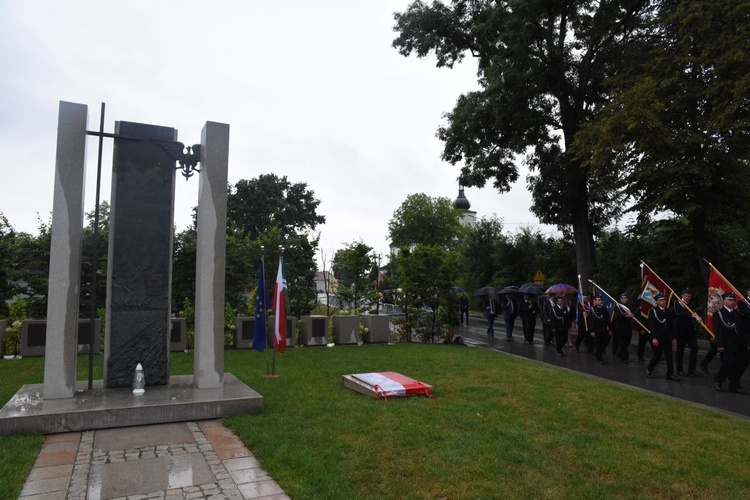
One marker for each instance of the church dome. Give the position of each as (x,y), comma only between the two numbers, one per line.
(462,202)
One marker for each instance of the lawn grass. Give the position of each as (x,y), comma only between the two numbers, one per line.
(499,427)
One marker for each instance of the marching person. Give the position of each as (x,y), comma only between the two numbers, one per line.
(744,309)
(529,310)
(557,324)
(547,306)
(623,328)
(729,344)
(661,324)
(509,315)
(490,313)
(463,308)
(569,317)
(685,333)
(584,308)
(599,328)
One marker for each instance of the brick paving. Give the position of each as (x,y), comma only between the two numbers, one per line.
(69,467)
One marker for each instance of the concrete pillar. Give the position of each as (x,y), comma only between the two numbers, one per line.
(208,368)
(65,253)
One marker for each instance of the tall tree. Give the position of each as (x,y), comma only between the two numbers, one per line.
(255,206)
(425,220)
(541,67)
(676,133)
(351,266)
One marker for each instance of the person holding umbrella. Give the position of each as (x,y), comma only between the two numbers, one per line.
(509,314)
(557,323)
(529,310)
(490,308)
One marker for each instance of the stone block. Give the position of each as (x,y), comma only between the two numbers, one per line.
(314,330)
(379,326)
(346,330)
(178,335)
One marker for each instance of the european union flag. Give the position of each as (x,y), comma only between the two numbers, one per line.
(259,326)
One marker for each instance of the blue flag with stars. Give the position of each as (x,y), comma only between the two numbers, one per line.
(259,325)
(606,301)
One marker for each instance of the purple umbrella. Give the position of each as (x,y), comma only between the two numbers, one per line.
(561,289)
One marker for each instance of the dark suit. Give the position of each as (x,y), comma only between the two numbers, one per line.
(685,334)
(623,327)
(661,324)
(600,329)
(490,313)
(509,314)
(463,308)
(546,322)
(557,326)
(725,326)
(529,310)
(744,310)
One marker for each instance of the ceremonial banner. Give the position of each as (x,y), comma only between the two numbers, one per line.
(606,300)
(718,285)
(651,284)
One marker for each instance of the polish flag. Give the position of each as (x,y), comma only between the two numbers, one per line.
(280,305)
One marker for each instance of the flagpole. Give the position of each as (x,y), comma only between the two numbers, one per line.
(580,291)
(734,288)
(620,305)
(700,322)
(263,299)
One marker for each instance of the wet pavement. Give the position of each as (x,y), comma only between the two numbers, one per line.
(165,461)
(698,391)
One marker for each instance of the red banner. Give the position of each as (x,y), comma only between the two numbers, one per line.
(718,285)
(651,284)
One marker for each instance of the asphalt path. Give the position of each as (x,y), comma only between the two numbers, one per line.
(697,391)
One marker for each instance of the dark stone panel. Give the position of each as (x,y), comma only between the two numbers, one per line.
(37,335)
(140,254)
(247,329)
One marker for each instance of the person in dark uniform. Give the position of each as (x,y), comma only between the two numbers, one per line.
(547,305)
(584,308)
(623,328)
(685,333)
(510,311)
(529,310)
(569,317)
(463,308)
(489,310)
(643,336)
(743,306)
(729,344)
(599,327)
(661,324)
(557,324)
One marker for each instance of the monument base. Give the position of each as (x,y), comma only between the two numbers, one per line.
(105,408)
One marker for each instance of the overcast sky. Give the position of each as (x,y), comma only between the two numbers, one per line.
(311,89)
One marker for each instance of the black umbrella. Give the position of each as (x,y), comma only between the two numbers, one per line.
(508,290)
(486,290)
(531,289)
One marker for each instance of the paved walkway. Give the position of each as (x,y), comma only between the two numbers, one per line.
(167,461)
